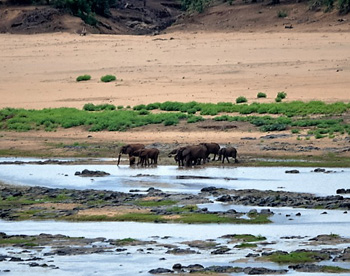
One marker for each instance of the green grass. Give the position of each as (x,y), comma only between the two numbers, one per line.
(246,245)
(146,203)
(297,257)
(317,118)
(179,218)
(108,78)
(124,242)
(334,269)
(18,241)
(248,237)
(83,78)
(183,209)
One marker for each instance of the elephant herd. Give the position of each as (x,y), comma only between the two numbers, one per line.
(184,156)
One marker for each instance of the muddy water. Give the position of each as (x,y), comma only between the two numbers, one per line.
(174,179)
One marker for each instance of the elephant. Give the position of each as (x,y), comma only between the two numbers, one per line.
(132,160)
(211,148)
(146,154)
(178,155)
(129,149)
(194,155)
(226,153)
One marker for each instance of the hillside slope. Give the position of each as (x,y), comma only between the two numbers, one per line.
(132,17)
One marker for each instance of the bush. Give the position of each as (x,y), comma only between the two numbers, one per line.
(108,78)
(194,119)
(282,13)
(241,99)
(195,5)
(281,95)
(278,100)
(261,95)
(84,78)
(344,6)
(92,107)
(86,10)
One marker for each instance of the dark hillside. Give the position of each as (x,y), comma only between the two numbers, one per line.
(140,17)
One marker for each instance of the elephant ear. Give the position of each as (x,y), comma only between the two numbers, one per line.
(186,152)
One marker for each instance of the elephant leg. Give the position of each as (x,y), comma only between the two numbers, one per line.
(228,161)
(214,157)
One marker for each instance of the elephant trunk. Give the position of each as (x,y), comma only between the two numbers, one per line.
(119,158)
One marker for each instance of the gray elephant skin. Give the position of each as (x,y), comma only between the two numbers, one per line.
(129,150)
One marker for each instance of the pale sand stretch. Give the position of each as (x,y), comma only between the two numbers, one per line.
(38,71)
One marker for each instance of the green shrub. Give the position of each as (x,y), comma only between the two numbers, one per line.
(344,6)
(282,13)
(195,5)
(92,107)
(83,78)
(261,95)
(108,78)
(281,95)
(194,119)
(241,99)
(143,112)
(86,10)
(278,100)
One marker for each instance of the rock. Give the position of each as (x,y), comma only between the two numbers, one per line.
(319,170)
(275,136)
(248,138)
(15,259)
(343,191)
(224,198)
(292,171)
(221,250)
(263,270)
(251,255)
(195,267)
(160,271)
(209,189)
(177,266)
(180,251)
(306,267)
(223,269)
(266,212)
(88,173)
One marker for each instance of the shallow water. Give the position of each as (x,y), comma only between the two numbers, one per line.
(173,179)
(170,178)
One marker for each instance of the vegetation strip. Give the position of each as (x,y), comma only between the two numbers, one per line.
(313,118)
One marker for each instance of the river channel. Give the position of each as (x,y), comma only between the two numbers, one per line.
(134,261)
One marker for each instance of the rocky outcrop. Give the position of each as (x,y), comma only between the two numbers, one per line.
(88,173)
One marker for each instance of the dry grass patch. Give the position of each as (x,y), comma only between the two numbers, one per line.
(111,211)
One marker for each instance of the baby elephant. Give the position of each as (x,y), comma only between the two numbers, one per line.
(226,153)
